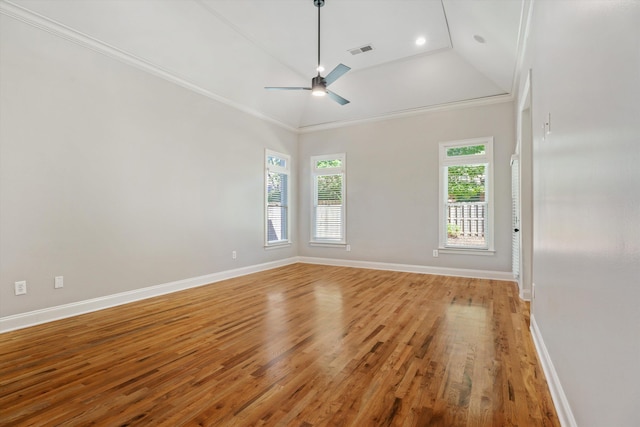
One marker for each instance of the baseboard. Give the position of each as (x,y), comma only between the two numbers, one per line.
(36,317)
(557,393)
(408,268)
(32,318)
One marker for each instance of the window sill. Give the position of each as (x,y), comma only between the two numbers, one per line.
(328,244)
(278,245)
(466,251)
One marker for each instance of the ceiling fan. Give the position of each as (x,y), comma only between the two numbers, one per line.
(318,83)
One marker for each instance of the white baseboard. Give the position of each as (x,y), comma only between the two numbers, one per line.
(557,393)
(32,318)
(36,317)
(407,268)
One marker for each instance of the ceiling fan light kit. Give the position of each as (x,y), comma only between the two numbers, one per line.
(318,83)
(318,86)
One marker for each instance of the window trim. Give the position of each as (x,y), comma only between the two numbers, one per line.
(276,169)
(444,162)
(313,241)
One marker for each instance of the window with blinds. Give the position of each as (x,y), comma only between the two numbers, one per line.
(465,204)
(277,198)
(328,210)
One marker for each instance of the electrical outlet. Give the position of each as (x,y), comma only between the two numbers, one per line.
(348,248)
(234,255)
(435,253)
(21,287)
(58,282)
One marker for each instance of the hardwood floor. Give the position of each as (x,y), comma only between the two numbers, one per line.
(302,345)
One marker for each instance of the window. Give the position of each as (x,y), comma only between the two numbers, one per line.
(466,205)
(328,210)
(277,198)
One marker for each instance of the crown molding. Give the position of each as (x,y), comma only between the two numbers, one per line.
(526,14)
(67,33)
(60,30)
(478,102)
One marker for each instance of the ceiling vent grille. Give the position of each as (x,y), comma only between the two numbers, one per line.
(361,49)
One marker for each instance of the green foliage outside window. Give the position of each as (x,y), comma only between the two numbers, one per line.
(324,164)
(277,188)
(453,230)
(466,183)
(466,150)
(330,189)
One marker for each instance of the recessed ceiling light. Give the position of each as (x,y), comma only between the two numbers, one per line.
(479,39)
(420,41)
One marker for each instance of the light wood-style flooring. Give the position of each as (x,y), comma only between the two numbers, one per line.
(301,345)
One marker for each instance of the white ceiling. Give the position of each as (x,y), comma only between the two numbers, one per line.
(231,49)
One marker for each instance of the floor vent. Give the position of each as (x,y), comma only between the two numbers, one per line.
(361,49)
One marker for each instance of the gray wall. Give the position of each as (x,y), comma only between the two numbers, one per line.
(585,62)
(119,180)
(392,186)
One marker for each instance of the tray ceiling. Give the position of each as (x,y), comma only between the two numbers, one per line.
(231,49)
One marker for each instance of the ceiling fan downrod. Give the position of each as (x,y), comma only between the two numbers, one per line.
(319,84)
(318,4)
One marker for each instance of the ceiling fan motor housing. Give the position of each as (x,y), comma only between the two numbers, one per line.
(318,81)
(318,3)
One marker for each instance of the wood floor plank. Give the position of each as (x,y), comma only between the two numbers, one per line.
(302,345)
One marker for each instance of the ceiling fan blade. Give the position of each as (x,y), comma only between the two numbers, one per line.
(336,73)
(286,88)
(340,100)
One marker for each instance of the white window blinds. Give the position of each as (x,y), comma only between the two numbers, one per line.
(328,210)
(277,198)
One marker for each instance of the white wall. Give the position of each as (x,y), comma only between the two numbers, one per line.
(585,60)
(392,186)
(119,180)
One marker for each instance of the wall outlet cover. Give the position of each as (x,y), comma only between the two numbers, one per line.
(21,287)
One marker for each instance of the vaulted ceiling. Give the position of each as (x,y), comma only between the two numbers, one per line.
(231,49)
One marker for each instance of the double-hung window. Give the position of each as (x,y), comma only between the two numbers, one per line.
(466,195)
(277,173)
(328,210)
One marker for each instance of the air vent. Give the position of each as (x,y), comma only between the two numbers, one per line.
(361,49)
